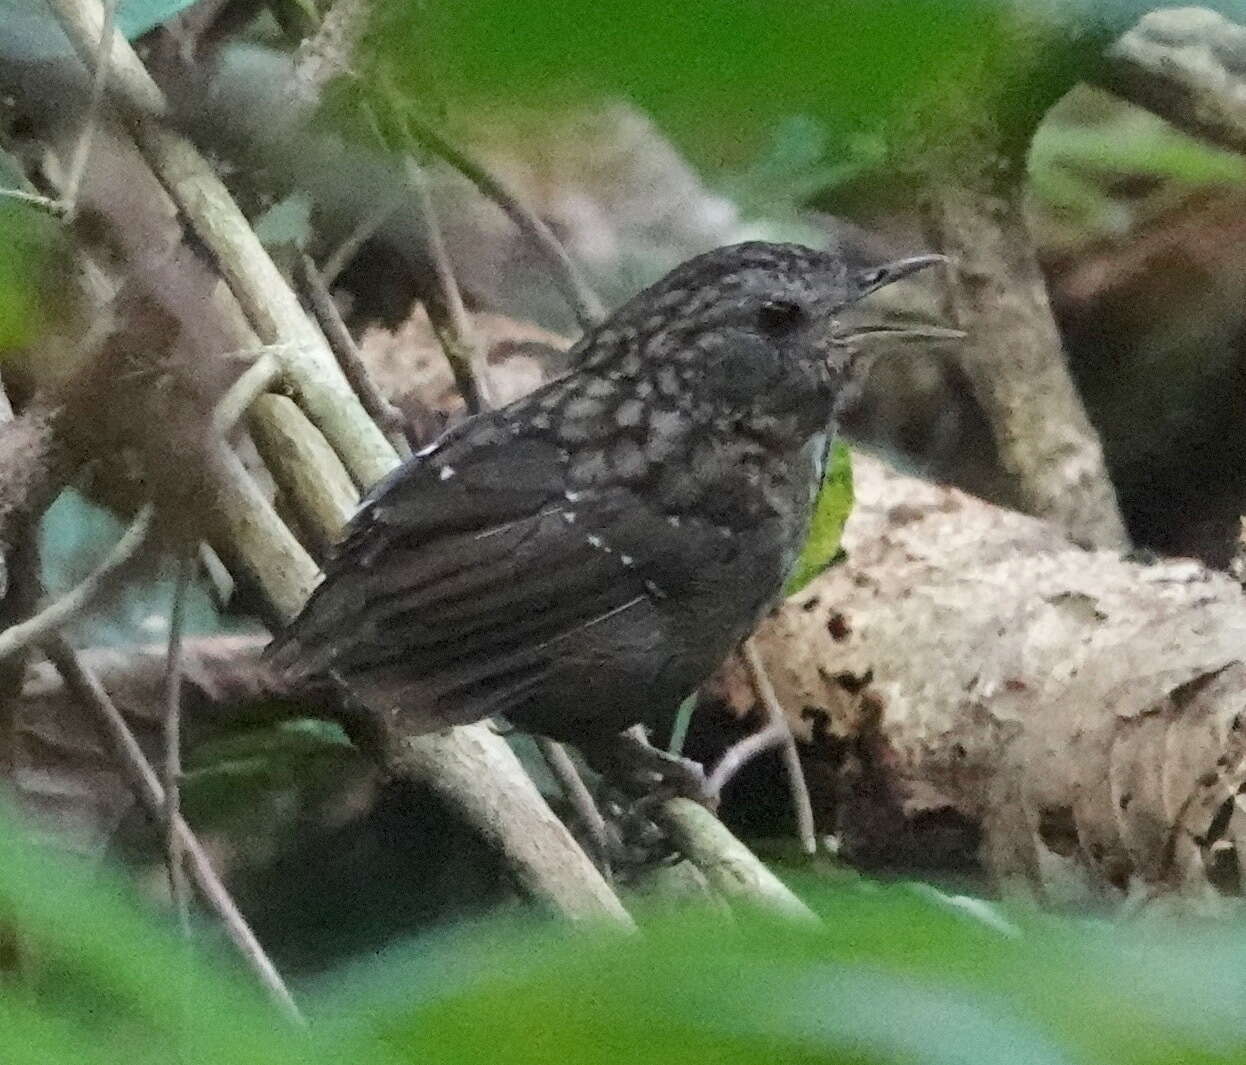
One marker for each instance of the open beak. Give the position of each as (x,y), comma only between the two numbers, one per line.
(880,276)
(904,333)
(869,326)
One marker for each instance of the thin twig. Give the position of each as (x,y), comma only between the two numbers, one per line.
(683,722)
(740,754)
(730,867)
(584,302)
(257,379)
(386,415)
(55,208)
(578,795)
(99,78)
(447,314)
(174,855)
(57,614)
(802,808)
(86,686)
(221,583)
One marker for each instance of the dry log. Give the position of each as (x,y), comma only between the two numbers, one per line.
(1075,714)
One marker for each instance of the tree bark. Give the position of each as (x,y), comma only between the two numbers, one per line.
(1015,363)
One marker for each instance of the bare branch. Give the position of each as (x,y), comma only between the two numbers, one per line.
(307,470)
(257,379)
(578,795)
(143,779)
(307,363)
(737,756)
(174,852)
(447,313)
(1014,359)
(99,77)
(802,808)
(729,866)
(480,776)
(575,288)
(256,542)
(27,633)
(220,580)
(383,412)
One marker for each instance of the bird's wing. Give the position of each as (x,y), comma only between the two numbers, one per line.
(462,577)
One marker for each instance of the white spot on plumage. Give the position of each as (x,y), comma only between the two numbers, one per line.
(446,473)
(571,496)
(568,516)
(595,541)
(627,560)
(673,521)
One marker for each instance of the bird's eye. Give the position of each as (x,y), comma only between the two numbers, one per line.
(776,316)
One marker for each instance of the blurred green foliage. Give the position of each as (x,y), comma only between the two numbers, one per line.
(27,237)
(1098,168)
(717,77)
(720,78)
(894,975)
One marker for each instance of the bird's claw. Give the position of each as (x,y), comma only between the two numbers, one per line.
(638,768)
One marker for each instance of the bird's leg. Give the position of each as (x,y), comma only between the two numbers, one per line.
(634,777)
(632,763)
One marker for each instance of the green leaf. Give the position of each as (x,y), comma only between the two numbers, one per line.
(830,514)
(26,239)
(718,78)
(892,976)
(103,974)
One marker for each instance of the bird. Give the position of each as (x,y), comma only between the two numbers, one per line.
(593,551)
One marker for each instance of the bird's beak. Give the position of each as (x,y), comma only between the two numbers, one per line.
(905,334)
(870,326)
(877,277)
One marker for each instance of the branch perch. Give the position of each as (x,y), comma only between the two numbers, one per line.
(802,808)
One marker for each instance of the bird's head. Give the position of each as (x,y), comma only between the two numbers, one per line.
(764,323)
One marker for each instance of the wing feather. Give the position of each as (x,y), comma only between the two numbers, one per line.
(451,592)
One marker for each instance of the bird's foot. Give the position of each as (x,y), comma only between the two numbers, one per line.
(635,766)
